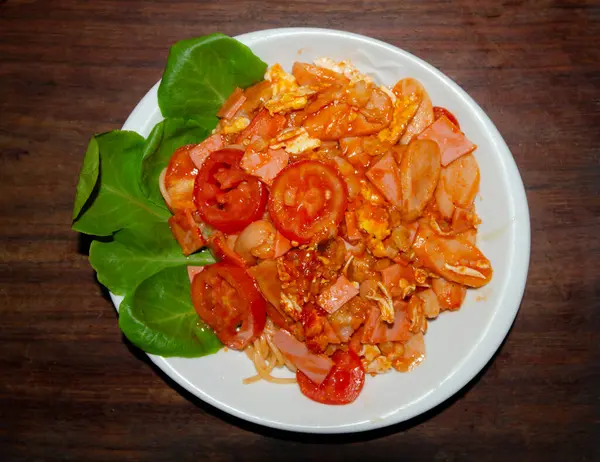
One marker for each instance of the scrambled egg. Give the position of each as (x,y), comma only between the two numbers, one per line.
(404,110)
(346,68)
(370,194)
(370,352)
(289,101)
(374,220)
(295,141)
(290,306)
(379,365)
(281,81)
(235,125)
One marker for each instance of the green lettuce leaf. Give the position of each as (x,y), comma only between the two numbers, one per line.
(164,139)
(202,72)
(117,201)
(137,253)
(159,317)
(88,177)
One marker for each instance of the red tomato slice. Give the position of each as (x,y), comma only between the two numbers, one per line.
(227,197)
(308,201)
(343,383)
(227,300)
(442,111)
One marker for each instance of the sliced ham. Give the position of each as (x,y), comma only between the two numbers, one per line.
(378,331)
(315,367)
(390,276)
(193,270)
(336,295)
(233,104)
(200,153)
(452,142)
(352,227)
(385,175)
(265,165)
(267,278)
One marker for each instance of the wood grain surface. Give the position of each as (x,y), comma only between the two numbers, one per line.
(72,389)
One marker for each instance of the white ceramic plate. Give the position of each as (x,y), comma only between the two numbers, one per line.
(458,344)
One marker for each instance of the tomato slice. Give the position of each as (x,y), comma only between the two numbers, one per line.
(442,111)
(342,385)
(227,300)
(308,201)
(226,197)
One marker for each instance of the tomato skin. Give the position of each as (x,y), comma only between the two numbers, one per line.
(226,197)
(442,111)
(316,217)
(226,299)
(342,385)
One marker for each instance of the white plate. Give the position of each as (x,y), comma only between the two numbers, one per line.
(458,344)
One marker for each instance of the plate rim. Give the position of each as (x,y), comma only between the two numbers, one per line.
(502,325)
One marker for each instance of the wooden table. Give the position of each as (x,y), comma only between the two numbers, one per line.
(71,389)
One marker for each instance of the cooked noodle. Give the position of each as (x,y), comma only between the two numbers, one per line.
(266,356)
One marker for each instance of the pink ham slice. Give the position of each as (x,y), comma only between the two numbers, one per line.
(336,295)
(193,270)
(200,153)
(265,165)
(316,367)
(378,331)
(385,175)
(452,142)
(390,276)
(267,278)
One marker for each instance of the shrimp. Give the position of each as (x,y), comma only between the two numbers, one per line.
(179,178)
(355,110)
(454,259)
(256,241)
(419,174)
(423,117)
(458,185)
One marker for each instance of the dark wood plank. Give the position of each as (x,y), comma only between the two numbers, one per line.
(72,389)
